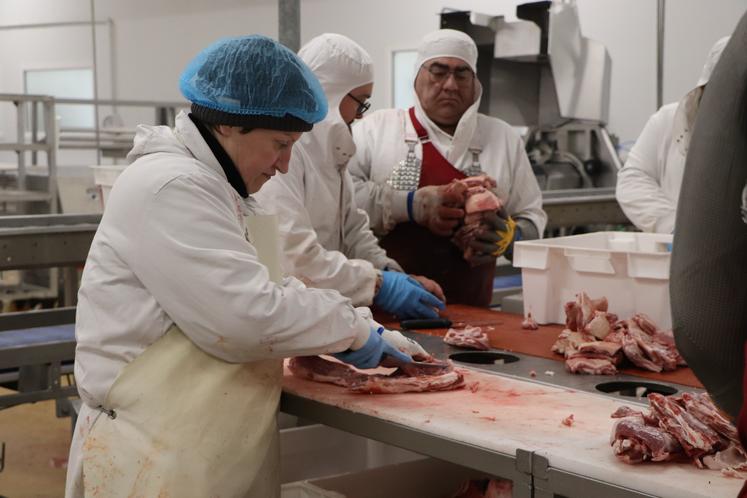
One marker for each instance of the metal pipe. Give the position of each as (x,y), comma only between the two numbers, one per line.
(49,25)
(95,82)
(289,24)
(660,21)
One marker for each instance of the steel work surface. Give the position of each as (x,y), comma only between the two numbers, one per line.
(504,415)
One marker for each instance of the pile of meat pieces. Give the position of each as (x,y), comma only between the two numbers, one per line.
(678,428)
(596,342)
(468,337)
(321,370)
(485,488)
(479,199)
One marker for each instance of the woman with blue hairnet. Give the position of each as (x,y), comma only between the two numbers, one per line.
(327,240)
(182,319)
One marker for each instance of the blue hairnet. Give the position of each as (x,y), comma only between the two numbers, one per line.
(253,81)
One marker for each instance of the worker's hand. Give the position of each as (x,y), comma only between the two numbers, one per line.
(438,209)
(494,240)
(405,344)
(402,295)
(372,352)
(431,286)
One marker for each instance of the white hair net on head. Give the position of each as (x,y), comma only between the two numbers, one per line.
(447,43)
(713,56)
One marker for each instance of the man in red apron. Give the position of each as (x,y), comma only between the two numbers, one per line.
(405,159)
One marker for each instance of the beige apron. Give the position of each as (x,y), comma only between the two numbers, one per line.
(178,422)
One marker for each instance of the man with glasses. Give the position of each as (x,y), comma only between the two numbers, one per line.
(326,239)
(406,158)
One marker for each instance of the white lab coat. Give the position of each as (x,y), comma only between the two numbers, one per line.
(380,141)
(171,249)
(326,238)
(648,185)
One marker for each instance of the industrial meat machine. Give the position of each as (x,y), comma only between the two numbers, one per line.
(539,73)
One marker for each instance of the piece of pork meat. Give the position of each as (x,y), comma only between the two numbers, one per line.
(695,437)
(591,366)
(569,339)
(320,370)
(634,441)
(468,337)
(581,311)
(529,323)
(701,407)
(479,199)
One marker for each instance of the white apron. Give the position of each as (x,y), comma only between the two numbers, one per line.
(180,422)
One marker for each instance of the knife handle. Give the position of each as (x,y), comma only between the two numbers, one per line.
(426,323)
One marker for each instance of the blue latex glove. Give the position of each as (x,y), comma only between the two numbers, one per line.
(372,352)
(403,296)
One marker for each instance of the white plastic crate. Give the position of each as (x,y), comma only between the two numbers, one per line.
(104,177)
(631,269)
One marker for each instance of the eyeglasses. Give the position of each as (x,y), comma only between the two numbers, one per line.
(440,73)
(362,106)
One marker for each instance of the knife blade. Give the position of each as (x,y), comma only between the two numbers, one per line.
(415,368)
(425,323)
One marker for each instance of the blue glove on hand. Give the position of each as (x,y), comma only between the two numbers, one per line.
(372,352)
(403,296)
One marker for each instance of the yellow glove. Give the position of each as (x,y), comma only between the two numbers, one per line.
(505,236)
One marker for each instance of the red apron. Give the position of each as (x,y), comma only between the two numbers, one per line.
(421,252)
(742,420)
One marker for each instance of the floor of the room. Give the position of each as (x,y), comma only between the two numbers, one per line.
(36,450)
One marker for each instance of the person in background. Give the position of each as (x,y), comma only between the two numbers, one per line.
(326,238)
(182,319)
(648,186)
(406,158)
(709,261)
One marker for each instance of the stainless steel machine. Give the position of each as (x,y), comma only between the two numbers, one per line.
(540,73)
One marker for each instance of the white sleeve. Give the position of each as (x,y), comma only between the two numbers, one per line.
(193,258)
(639,190)
(525,197)
(385,206)
(304,255)
(359,240)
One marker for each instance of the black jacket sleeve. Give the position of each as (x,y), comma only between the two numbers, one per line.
(708,281)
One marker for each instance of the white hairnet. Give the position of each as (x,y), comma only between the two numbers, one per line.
(447,43)
(339,63)
(713,56)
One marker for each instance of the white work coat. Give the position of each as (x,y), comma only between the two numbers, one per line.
(380,142)
(171,249)
(326,238)
(648,186)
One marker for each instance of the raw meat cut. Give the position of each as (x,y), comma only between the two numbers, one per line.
(691,421)
(321,370)
(634,441)
(696,438)
(479,199)
(590,366)
(468,337)
(611,340)
(529,323)
(568,421)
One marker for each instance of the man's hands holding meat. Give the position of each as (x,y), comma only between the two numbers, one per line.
(495,239)
(437,208)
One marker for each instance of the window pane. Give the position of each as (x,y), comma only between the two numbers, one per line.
(64,83)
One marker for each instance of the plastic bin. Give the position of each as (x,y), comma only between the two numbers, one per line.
(104,177)
(631,269)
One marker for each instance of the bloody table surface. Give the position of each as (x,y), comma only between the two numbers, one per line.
(505,332)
